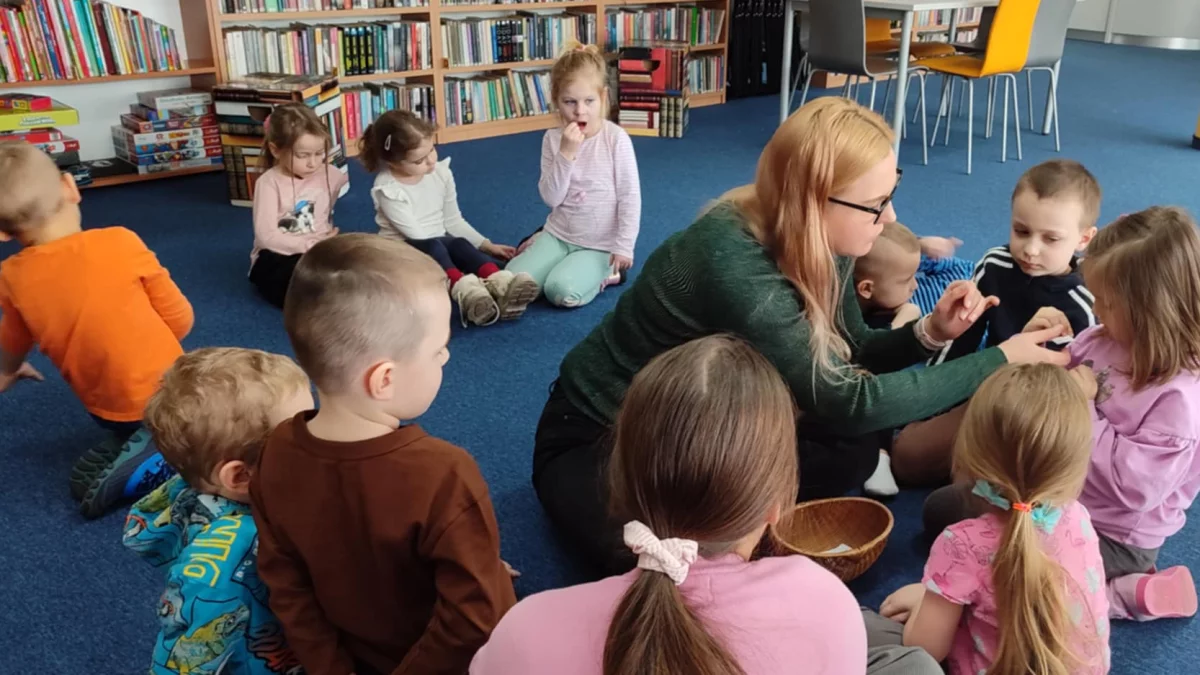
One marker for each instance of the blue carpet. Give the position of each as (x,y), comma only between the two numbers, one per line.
(75,602)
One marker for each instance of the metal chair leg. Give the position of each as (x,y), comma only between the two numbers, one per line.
(1054,108)
(1029,93)
(846,88)
(1004,126)
(872,104)
(887,95)
(800,72)
(949,111)
(941,108)
(991,107)
(1016,116)
(970,121)
(924,123)
(961,95)
(807,81)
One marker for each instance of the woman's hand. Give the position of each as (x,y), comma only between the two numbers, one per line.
(1049,317)
(961,305)
(498,251)
(902,604)
(939,247)
(1027,348)
(1085,377)
(619,262)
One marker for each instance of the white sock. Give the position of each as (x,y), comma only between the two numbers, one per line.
(882,483)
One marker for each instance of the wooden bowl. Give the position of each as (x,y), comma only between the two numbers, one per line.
(845,535)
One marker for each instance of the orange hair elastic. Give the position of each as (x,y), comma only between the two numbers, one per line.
(1022,506)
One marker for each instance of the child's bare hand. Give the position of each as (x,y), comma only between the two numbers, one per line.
(619,262)
(509,568)
(939,247)
(528,242)
(572,137)
(498,251)
(1049,317)
(1085,377)
(901,605)
(907,312)
(24,372)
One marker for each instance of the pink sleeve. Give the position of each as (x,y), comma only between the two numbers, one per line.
(628,194)
(953,568)
(338,179)
(267,234)
(556,173)
(1078,348)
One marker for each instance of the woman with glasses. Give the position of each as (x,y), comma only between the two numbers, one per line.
(771,262)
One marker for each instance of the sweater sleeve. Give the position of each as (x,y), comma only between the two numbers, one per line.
(877,350)
(166,298)
(393,203)
(628,195)
(758,304)
(474,589)
(452,216)
(556,173)
(266,221)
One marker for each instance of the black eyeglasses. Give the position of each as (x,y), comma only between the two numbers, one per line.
(877,210)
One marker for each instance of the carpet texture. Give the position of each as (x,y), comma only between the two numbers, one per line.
(76,602)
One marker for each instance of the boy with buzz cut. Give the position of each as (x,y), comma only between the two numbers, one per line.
(377,540)
(1055,207)
(99,305)
(210,418)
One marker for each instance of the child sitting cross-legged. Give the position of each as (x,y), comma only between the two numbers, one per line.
(378,541)
(1020,588)
(210,418)
(100,306)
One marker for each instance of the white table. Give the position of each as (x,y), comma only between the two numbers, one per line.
(893,10)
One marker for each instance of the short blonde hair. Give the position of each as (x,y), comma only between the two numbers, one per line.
(1060,178)
(30,183)
(354,298)
(893,237)
(576,62)
(1148,263)
(214,406)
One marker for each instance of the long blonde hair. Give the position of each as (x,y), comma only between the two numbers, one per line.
(1027,432)
(1149,264)
(820,150)
(705,447)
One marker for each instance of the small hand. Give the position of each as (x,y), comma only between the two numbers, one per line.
(572,137)
(528,242)
(1027,348)
(511,572)
(960,306)
(907,312)
(619,262)
(1049,317)
(901,605)
(24,372)
(498,251)
(1085,377)
(939,247)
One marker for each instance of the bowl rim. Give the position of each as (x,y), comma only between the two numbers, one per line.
(891,522)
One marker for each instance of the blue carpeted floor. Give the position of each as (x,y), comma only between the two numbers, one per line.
(75,602)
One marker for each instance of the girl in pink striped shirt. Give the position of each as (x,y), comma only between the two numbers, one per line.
(590,182)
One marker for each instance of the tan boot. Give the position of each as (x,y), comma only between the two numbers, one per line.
(475,304)
(513,292)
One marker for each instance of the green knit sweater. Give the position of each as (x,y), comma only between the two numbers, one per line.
(714,277)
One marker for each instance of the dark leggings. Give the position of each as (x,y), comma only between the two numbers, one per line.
(452,253)
(271,274)
(571,451)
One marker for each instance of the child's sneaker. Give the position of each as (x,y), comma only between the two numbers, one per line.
(92,462)
(513,292)
(475,303)
(1170,594)
(137,469)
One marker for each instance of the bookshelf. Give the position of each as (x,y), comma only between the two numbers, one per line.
(439,13)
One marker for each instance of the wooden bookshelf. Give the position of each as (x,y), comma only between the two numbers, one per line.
(258,17)
(199,67)
(141,177)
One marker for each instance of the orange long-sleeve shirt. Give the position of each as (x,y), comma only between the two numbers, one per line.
(100,306)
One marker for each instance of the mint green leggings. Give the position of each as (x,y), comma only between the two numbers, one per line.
(569,275)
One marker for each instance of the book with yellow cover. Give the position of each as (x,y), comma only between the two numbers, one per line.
(58,115)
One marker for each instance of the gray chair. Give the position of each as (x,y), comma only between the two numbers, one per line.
(837,43)
(1046,52)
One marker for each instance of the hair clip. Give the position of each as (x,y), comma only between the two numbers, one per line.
(387,143)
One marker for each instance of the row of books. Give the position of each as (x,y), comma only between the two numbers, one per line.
(499,96)
(652,88)
(523,37)
(358,49)
(273,6)
(74,39)
(26,118)
(941,17)
(691,24)
(964,37)
(706,73)
(168,130)
(361,106)
(664,117)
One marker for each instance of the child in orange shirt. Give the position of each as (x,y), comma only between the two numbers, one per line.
(100,306)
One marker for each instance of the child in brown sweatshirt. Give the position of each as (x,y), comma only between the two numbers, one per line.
(378,542)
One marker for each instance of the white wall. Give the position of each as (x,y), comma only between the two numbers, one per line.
(1148,18)
(101,105)
(1090,15)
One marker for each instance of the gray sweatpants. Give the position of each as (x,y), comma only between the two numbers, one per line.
(886,653)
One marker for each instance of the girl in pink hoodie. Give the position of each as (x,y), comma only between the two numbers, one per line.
(1141,367)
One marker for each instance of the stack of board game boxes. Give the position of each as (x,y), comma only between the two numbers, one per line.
(243,105)
(168,130)
(651,81)
(27,118)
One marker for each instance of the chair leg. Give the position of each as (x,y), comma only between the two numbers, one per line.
(804,94)
(796,80)
(1029,93)
(970,121)
(887,95)
(872,104)
(846,87)
(991,108)
(924,123)
(949,111)
(1016,116)
(1004,126)
(961,95)
(941,108)
(1054,108)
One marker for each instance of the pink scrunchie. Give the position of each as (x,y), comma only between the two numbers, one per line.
(672,557)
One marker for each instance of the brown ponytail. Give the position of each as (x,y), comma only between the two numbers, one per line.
(389,140)
(705,449)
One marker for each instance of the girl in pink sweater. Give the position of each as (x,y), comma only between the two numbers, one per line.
(1141,370)
(704,460)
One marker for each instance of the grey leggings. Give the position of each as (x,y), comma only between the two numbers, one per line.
(886,653)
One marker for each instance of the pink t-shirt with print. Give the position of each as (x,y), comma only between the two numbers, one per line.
(959,569)
(291,214)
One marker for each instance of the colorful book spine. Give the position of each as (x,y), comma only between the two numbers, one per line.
(142,126)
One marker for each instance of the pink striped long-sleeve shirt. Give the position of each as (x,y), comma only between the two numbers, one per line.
(595,200)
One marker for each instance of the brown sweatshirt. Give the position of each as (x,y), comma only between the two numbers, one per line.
(381,556)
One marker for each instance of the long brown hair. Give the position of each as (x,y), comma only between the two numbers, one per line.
(390,138)
(817,152)
(1145,271)
(1027,432)
(705,448)
(285,126)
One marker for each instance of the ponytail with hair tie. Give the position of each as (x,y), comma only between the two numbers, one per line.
(1045,518)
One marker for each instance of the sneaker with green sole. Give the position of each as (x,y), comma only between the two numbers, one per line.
(133,473)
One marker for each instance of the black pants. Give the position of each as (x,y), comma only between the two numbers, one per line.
(271,274)
(570,457)
(452,253)
(122,430)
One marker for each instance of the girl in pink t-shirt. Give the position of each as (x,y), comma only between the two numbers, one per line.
(1021,588)
(704,459)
